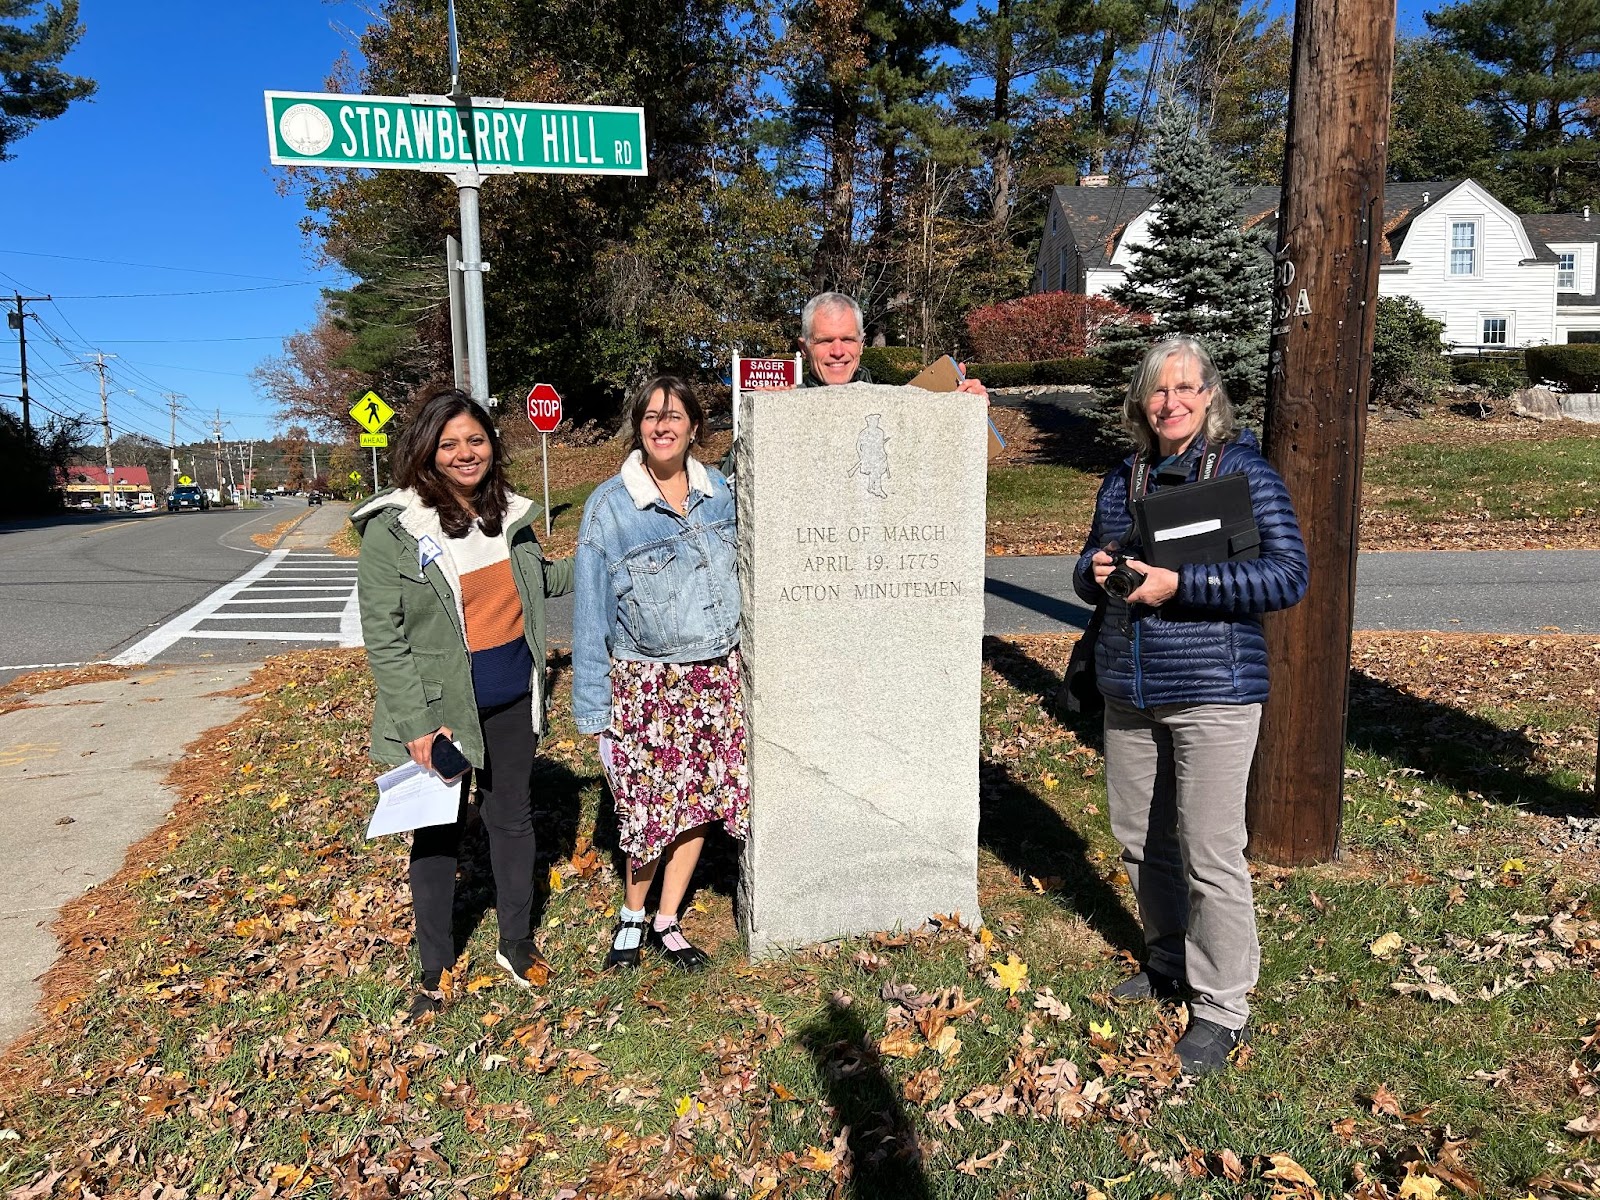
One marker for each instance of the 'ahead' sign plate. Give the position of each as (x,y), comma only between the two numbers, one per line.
(432,133)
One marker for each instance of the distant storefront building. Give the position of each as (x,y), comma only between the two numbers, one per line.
(130,487)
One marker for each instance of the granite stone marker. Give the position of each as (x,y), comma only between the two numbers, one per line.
(861,533)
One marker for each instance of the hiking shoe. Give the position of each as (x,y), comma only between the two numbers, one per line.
(1205,1047)
(1148,984)
(688,958)
(425,1004)
(523,963)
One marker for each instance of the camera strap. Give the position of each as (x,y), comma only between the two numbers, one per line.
(1139,482)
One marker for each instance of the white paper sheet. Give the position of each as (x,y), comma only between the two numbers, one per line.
(1193,529)
(410,797)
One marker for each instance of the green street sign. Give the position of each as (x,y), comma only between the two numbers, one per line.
(431,133)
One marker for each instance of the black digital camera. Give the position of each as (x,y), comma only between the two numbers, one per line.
(1123,580)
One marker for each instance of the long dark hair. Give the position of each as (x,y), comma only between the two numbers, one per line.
(673,388)
(414,467)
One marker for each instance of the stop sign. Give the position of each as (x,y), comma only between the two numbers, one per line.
(544,407)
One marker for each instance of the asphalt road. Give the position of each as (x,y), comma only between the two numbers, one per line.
(1469,591)
(83,588)
(80,587)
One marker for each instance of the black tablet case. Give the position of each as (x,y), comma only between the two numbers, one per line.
(1225,500)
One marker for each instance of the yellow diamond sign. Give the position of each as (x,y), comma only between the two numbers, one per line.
(371,413)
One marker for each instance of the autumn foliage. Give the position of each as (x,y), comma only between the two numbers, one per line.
(1043,325)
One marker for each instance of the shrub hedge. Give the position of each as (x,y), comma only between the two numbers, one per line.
(1575,366)
(900,364)
(1489,370)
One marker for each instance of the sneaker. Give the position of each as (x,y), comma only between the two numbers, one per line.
(690,958)
(429,999)
(1148,984)
(523,963)
(425,1004)
(1205,1047)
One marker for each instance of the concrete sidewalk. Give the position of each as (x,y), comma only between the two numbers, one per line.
(320,524)
(81,769)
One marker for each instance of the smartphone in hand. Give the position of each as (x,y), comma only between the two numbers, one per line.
(448,761)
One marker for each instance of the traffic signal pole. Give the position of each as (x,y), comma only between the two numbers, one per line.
(1330,234)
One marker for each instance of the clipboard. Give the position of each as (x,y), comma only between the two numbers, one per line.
(943,374)
(1204,522)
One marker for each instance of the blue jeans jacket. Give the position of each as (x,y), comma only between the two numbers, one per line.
(652,584)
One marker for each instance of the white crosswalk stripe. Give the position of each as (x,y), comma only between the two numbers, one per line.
(313,598)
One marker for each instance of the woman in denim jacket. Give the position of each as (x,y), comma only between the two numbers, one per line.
(655,662)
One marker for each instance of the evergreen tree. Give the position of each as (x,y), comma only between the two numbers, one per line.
(1203,274)
(1540,72)
(33,87)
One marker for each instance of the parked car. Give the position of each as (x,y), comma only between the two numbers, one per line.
(187,496)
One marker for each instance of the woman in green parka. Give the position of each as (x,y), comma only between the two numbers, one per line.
(452,585)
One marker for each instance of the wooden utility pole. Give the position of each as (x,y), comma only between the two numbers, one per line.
(1325,294)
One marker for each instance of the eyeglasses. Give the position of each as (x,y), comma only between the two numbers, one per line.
(1184,391)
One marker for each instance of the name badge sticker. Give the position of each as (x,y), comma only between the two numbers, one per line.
(427,551)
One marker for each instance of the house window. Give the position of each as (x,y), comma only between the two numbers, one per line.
(1061,271)
(1463,247)
(1567,272)
(1052,222)
(1496,331)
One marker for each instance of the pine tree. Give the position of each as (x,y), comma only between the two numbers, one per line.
(33,88)
(1203,274)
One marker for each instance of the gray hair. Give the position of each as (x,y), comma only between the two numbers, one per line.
(836,301)
(1221,423)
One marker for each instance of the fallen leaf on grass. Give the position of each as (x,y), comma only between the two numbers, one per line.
(1011,974)
(1385,1102)
(1045,1001)
(975,1164)
(1587,1124)
(481,982)
(1429,988)
(1288,1174)
(1232,1168)
(899,1043)
(555,882)
(815,1159)
(924,1087)
(946,1044)
(1419,1185)
(1386,945)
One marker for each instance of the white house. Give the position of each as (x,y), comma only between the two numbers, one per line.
(1494,278)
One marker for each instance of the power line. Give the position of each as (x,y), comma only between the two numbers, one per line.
(112,262)
(266,287)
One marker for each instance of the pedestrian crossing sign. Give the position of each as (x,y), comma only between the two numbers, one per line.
(371,413)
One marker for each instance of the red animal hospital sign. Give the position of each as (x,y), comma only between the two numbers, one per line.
(767,373)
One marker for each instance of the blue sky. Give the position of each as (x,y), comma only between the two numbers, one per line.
(161,185)
(167,167)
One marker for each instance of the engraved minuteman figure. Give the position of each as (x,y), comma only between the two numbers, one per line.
(872,457)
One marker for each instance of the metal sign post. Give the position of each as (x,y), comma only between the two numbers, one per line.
(544,410)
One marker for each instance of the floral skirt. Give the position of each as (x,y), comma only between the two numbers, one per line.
(678,761)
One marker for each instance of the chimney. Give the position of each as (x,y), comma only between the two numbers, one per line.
(1585,212)
(1094,181)
(1425,196)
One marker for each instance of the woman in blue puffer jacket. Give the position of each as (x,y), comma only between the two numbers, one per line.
(1182,665)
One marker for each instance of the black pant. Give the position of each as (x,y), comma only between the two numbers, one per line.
(504,784)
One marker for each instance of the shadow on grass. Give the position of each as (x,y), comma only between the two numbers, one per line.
(1028,834)
(1458,749)
(887,1161)
(1068,437)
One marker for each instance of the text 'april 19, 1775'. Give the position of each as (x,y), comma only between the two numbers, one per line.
(876,562)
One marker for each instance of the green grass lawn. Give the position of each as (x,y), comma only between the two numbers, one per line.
(224,1017)
(1504,481)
